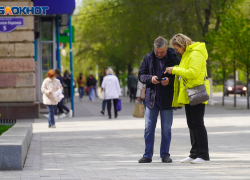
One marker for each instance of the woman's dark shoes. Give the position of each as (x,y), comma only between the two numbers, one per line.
(145,160)
(102,112)
(109,117)
(167,159)
(116,116)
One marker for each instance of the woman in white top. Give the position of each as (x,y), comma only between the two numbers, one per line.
(50,85)
(112,90)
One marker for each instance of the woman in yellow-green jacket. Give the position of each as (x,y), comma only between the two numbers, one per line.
(192,70)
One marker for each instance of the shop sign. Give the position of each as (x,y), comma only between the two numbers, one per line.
(10,24)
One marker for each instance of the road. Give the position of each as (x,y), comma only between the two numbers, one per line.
(229,100)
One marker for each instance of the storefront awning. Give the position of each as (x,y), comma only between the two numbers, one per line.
(57,6)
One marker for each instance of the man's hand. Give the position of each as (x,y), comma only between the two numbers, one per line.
(165,82)
(169,70)
(154,81)
(139,99)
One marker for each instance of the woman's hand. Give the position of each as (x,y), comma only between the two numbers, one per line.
(50,91)
(58,87)
(169,70)
(139,99)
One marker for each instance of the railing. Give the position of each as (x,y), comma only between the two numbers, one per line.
(4,121)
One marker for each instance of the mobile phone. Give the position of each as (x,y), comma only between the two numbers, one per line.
(159,79)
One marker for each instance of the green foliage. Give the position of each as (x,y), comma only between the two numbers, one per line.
(123,79)
(231,43)
(119,33)
(218,88)
(4,128)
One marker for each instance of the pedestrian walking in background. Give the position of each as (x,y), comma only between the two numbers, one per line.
(60,104)
(192,71)
(66,81)
(158,98)
(95,88)
(50,85)
(81,83)
(112,90)
(140,94)
(132,85)
(104,101)
(91,82)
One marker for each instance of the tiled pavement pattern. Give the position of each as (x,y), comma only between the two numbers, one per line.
(94,147)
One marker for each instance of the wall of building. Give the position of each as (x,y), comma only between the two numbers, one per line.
(17,69)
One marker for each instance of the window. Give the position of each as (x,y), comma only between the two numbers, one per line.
(47,45)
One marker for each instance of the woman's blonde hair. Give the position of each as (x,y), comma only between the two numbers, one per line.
(110,71)
(181,40)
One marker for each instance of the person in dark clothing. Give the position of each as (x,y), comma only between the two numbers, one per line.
(104,101)
(60,104)
(132,85)
(66,80)
(95,88)
(158,97)
(91,82)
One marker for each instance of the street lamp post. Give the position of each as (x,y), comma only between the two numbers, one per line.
(57,43)
(71,66)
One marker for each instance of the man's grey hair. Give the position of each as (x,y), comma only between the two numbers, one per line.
(160,42)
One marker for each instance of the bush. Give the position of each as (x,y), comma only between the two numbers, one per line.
(218,88)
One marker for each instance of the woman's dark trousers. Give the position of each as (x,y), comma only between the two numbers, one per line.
(109,106)
(61,106)
(197,130)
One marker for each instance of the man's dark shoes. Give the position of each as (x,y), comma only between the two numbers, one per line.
(145,160)
(166,159)
(102,112)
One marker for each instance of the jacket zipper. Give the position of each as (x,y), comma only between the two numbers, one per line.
(154,85)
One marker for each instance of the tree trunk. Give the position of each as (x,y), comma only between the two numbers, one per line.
(223,96)
(204,26)
(117,72)
(247,88)
(234,83)
(130,69)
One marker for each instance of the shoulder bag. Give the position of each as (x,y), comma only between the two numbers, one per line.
(197,94)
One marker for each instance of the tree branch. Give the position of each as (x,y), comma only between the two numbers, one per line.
(217,25)
(207,17)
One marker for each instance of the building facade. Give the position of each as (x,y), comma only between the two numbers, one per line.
(26,54)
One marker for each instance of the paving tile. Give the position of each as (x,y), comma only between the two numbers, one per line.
(90,146)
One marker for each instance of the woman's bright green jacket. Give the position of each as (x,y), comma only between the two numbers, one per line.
(193,70)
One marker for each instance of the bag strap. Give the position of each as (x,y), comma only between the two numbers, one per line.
(203,83)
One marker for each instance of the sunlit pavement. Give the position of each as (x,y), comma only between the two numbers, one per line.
(94,147)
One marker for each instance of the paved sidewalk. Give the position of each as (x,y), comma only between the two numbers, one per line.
(94,147)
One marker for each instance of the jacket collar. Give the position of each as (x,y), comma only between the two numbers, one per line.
(169,54)
(50,80)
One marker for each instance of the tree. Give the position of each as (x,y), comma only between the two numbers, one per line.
(239,32)
(231,42)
